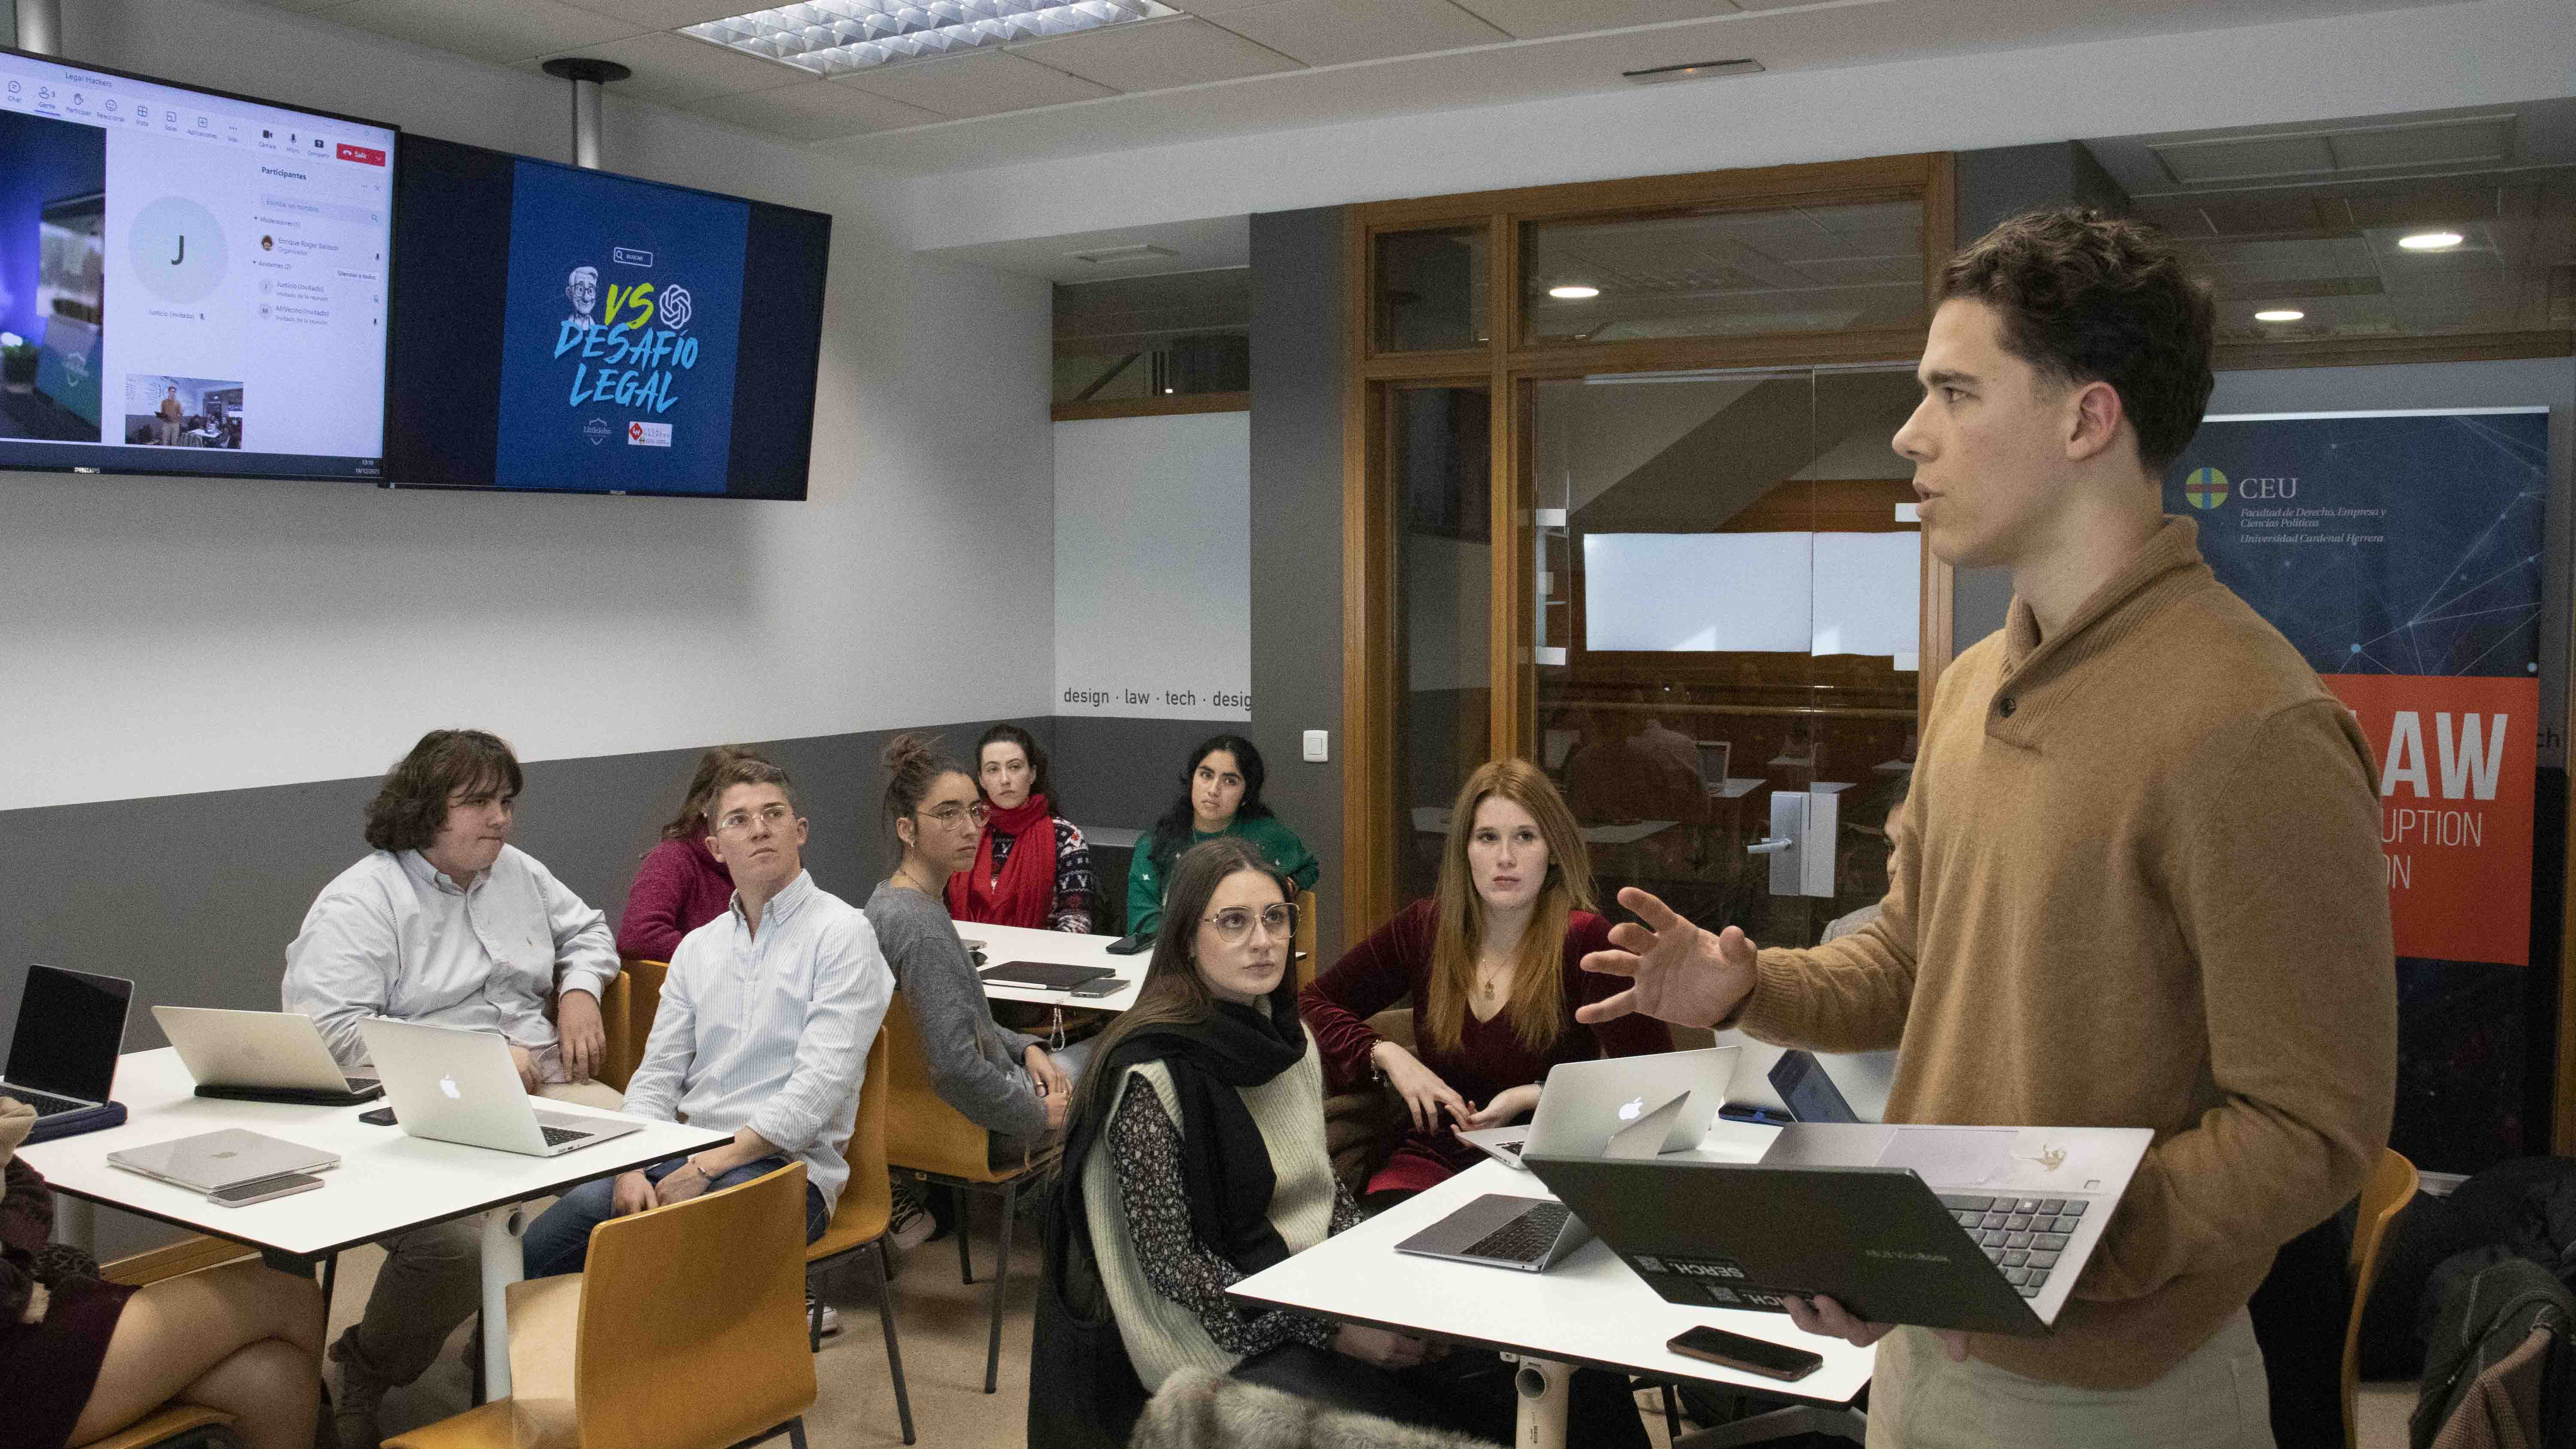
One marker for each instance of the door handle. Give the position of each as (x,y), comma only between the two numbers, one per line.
(1772,846)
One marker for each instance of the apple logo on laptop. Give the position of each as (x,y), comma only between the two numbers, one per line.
(448,1085)
(1632,1109)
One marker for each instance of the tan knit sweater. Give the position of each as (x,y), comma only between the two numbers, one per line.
(2137,884)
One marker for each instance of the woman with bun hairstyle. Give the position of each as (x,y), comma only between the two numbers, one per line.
(1031,867)
(681,885)
(1492,966)
(1220,795)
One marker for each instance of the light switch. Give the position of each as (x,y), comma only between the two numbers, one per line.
(1319,746)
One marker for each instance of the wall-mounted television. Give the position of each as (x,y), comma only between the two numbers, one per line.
(564,330)
(190,281)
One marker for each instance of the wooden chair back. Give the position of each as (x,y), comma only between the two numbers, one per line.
(2390,1187)
(693,1320)
(626,1013)
(923,1132)
(1303,962)
(867,1199)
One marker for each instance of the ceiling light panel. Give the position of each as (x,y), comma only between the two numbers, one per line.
(837,37)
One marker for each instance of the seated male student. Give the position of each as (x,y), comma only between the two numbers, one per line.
(764,1028)
(447,923)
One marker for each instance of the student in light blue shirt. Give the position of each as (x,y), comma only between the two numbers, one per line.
(766,1019)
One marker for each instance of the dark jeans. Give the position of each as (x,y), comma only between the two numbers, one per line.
(559,1241)
(1468,1392)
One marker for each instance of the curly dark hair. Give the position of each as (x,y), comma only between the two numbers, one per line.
(2086,297)
(1172,833)
(411,804)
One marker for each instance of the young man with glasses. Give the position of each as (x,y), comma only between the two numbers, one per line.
(447,922)
(766,1019)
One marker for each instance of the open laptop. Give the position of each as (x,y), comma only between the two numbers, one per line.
(1644,1105)
(62,1055)
(209,1162)
(1807,1091)
(453,1085)
(260,1056)
(1977,1228)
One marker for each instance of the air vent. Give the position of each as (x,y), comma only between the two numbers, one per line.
(1696,70)
(1110,256)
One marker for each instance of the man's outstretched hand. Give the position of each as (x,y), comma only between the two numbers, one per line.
(1825,1318)
(1677,972)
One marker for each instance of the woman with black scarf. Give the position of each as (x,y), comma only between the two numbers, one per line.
(1195,1159)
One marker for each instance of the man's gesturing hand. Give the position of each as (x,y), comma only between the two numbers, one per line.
(1679,973)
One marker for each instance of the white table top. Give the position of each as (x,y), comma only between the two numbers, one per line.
(387,1180)
(1113,835)
(1588,1309)
(1736,787)
(1019,943)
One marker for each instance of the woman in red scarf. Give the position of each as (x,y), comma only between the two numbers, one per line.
(1031,868)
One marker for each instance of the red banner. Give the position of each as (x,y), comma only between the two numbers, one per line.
(2458,768)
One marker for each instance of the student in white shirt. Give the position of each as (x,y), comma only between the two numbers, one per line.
(446,922)
(764,1028)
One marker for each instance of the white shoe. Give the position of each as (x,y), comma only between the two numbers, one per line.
(831,1316)
(911,1225)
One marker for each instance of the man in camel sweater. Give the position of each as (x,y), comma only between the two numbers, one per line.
(2137,882)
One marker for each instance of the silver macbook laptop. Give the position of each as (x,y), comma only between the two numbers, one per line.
(265,1056)
(212,1161)
(453,1085)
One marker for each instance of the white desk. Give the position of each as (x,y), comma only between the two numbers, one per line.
(1588,1310)
(1736,787)
(1019,943)
(387,1181)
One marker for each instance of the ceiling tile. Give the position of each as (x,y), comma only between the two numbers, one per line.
(1337,32)
(980,83)
(678,71)
(1530,18)
(669,14)
(485,29)
(814,111)
(306,4)
(1157,54)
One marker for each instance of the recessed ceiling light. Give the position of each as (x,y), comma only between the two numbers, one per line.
(2279,314)
(2430,241)
(1573,292)
(1132,252)
(836,37)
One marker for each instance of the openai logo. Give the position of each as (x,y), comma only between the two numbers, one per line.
(2205,488)
(676,307)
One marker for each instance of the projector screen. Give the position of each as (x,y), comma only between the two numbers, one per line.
(1772,593)
(190,282)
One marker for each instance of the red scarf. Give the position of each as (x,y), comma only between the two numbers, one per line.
(1025,893)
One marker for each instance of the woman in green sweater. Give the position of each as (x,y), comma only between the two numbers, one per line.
(1220,795)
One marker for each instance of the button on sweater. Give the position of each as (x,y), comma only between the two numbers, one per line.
(2137,883)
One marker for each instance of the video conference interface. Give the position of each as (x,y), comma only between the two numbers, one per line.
(188,282)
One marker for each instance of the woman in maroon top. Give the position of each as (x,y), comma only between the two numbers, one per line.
(1491,965)
(680,886)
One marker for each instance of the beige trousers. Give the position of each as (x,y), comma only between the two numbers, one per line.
(2217,1397)
(432,1280)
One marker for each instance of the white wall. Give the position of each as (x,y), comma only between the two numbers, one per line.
(2354,65)
(1153,543)
(165,636)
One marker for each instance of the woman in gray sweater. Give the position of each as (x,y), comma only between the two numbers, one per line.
(1003,1081)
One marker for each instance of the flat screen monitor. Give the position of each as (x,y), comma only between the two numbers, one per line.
(190,282)
(563,330)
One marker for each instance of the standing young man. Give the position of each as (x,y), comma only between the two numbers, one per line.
(766,1019)
(2137,882)
(447,922)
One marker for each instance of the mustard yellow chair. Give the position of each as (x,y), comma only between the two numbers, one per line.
(2390,1187)
(626,1015)
(168,1423)
(1302,959)
(686,1331)
(859,1222)
(937,1143)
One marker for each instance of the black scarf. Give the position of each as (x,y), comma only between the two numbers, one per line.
(1225,1165)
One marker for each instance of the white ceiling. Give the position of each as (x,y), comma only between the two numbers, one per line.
(1233,66)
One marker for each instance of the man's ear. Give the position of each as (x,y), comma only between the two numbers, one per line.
(2096,421)
(710,839)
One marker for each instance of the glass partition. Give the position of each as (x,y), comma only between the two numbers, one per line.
(1709,272)
(1440,454)
(1430,290)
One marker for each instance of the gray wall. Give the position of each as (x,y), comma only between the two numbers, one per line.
(1297,528)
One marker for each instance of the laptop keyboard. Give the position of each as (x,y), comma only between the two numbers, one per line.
(558,1136)
(2023,1236)
(1525,1239)
(46,1103)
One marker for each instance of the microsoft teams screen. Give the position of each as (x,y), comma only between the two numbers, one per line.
(189,282)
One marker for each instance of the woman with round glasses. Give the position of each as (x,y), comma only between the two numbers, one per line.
(1492,966)
(1031,868)
(1220,795)
(1004,1082)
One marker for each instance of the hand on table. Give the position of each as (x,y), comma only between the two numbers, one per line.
(1678,972)
(1508,1106)
(584,1038)
(1826,1318)
(1425,1095)
(632,1193)
(1378,1346)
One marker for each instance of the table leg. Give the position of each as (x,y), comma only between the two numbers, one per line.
(76,1222)
(1544,1387)
(501,1268)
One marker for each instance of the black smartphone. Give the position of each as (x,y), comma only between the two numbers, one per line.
(1129,945)
(1752,1355)
(381,1117)
(242,1194)
(1097,987)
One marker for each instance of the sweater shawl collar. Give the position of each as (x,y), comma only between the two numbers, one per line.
(2039,675)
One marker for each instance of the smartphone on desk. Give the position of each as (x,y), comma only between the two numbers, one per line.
(1752,1355)
(242,1194)
(1128,945)
(1096,988)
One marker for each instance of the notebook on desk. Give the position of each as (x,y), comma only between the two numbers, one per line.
(1042,975)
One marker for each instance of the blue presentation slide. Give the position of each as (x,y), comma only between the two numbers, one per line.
(618,340)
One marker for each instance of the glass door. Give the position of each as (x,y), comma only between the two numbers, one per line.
(1439,452)
(1725,587)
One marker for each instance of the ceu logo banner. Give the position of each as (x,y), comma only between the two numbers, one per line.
(2205,488)
(621,328)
